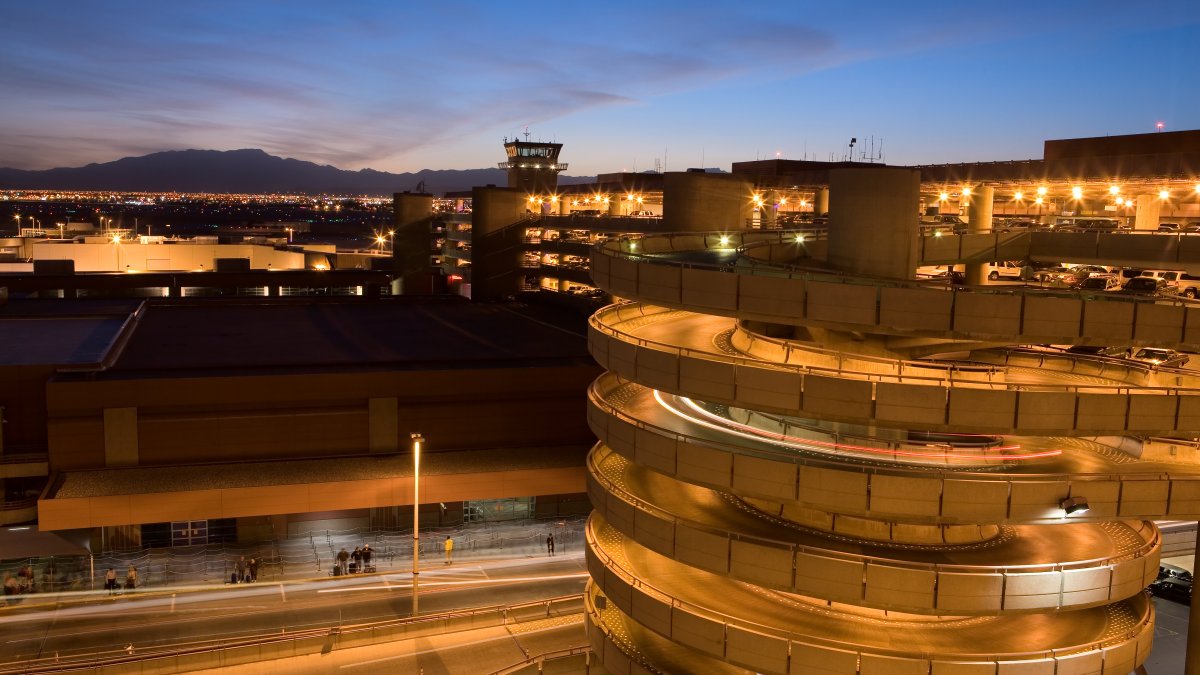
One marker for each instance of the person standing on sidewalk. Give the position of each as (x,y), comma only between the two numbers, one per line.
(366,553)
(240,569)
(550,544)
(253,567)
(342,557)
(449,546)
(110,580)
(131,579)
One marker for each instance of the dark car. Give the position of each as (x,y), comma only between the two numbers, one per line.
(1091,350)
(1145,286)
(1168,227)
(1165,570)
(1172,588)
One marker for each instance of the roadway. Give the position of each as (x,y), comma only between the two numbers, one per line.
(1097,543)
(813,621)
(100,623)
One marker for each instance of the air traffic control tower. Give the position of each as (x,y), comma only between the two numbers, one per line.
(532,165)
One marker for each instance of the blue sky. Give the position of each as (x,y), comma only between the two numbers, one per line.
(400,86)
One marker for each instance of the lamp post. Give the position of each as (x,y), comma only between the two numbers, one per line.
(417,440)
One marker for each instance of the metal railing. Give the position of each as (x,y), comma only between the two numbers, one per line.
(95,659)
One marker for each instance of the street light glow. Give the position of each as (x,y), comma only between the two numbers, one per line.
(1164,194)
(1114,189)
(1018,195)
(1077,192)
(1042,190)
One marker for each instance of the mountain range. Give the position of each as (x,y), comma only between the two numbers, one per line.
(246,172)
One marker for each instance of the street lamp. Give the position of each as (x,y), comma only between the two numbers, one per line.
(417,440)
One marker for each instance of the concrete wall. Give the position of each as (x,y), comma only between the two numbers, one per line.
(703,202)
(908,495)
(873,220)
(181,420)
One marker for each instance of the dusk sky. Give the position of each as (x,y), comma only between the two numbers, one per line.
(401,86)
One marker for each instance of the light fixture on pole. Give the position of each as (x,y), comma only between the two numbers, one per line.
(417,440)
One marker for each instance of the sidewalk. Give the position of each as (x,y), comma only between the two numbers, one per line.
(295,560)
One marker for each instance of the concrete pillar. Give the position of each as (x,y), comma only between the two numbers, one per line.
(706,202)
(383,425)
(564,206)
(821,202)
(873,220)
(769,210)
(412,248)
(614,206)
(120,437)
(979,219)
(1149,209)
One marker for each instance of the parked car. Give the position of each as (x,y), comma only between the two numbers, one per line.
(1008,269)
(1188,285)
(1099,282)
(1057,274)
(1146,286)
(1085,271)
(1169,276)
(1172,588)
(1163,358)
(1168,227)
(1165,570)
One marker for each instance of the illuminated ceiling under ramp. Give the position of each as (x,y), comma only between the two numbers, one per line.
(803,471)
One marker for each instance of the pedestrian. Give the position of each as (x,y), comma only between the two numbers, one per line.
(367,558)
(110,580)
(356,566)
(449,546)
(10,585)
(240,569)
(342,557)
(131,578)
(550,544)
(253,569)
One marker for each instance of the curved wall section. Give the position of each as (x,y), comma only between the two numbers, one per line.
(782,294)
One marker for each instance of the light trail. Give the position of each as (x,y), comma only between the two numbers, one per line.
(731,427)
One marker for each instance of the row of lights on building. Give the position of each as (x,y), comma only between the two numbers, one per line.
(1076,194)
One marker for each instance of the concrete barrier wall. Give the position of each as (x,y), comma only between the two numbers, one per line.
(913,401)
(745,644)
(1013,315)
(845,577)
(961,497)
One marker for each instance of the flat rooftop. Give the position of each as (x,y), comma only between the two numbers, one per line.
(277,334)
(60,333)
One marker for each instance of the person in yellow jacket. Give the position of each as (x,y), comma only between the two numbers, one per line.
(449,546)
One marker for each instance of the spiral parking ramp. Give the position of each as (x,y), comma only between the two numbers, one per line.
(805,471)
